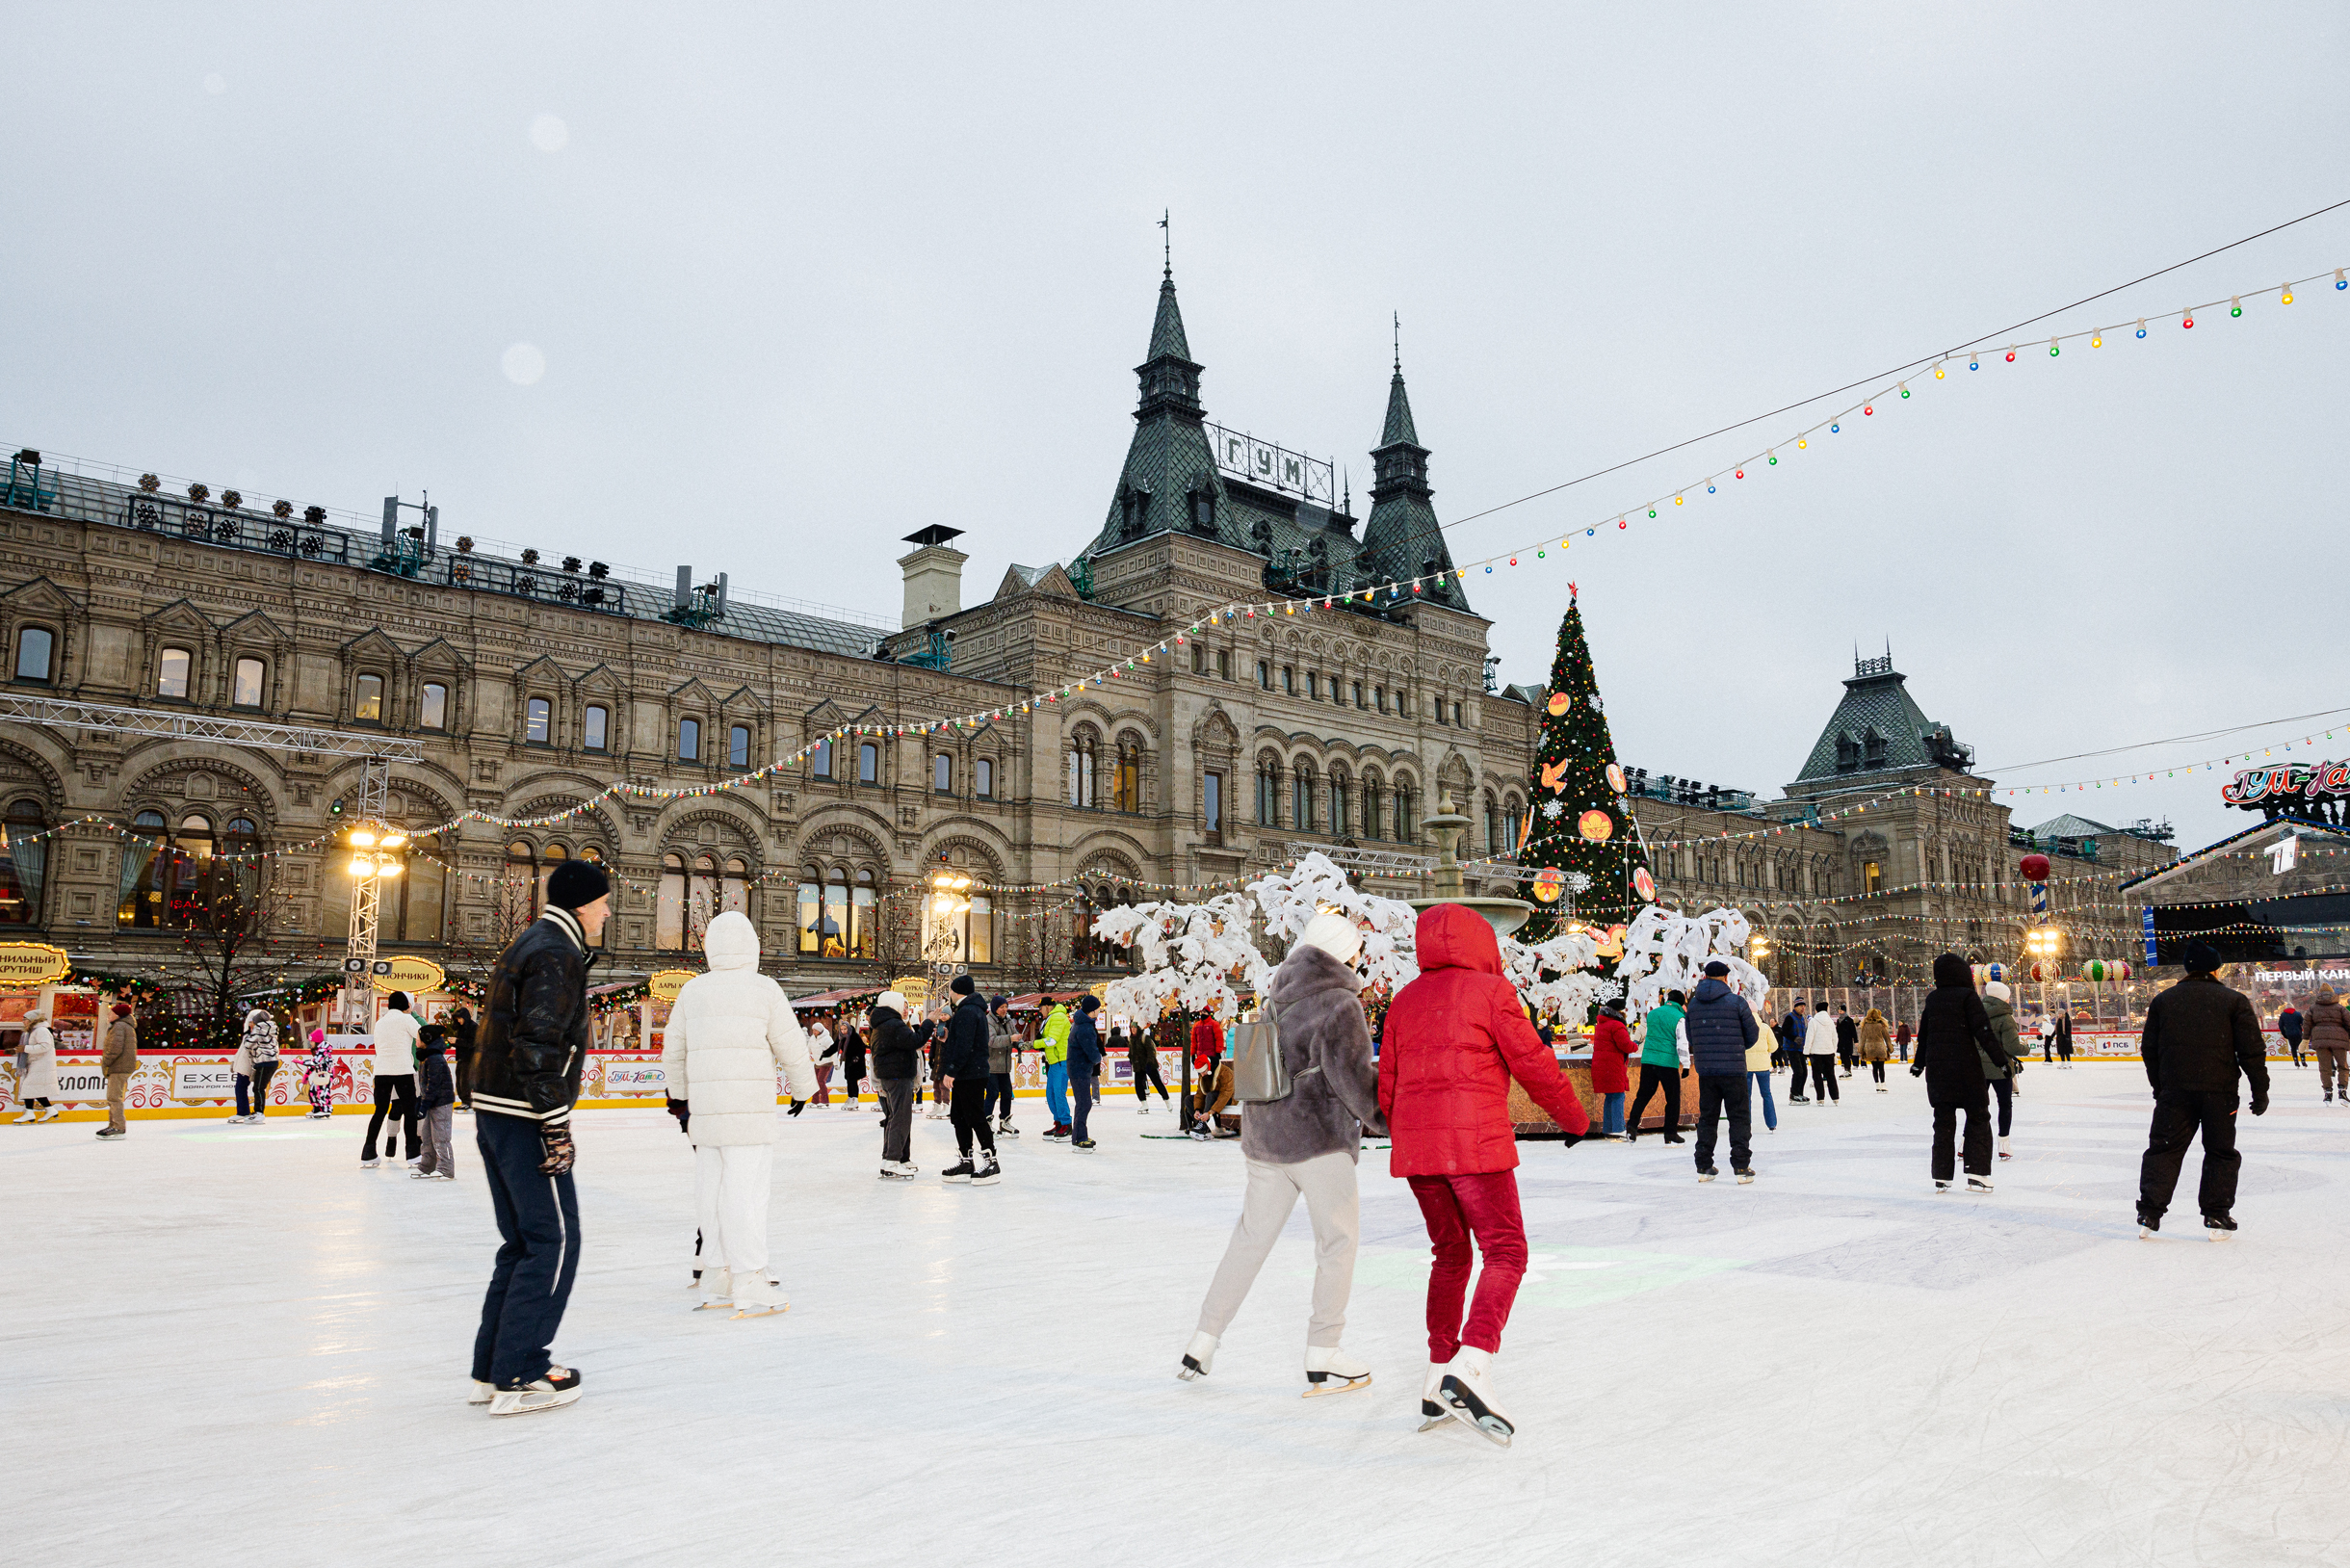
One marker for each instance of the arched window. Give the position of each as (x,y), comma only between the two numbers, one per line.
(432,706)
(869,763)
(1407,814)
(23,856)
(171,673)
(838,909)
(837,935)
(820,759)
(985,777)
(1341,816)
(1373,800)
(367,699)
(689,740)
(550,858)
(738,746)
(1493,827)
(1126,792)
(1266,797)
(595,732)
(538,720)
(811,909)
(1080,770)
(35,646)
(670,903)
(517,890)
(1302,797)
(246,690)
(864,913)
(1081,936)
(942,773)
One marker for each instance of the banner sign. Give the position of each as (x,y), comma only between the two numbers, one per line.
(2147,925)
(2311,781)
(665,984)
(633,1075)
(408,974)
(32,963)
(203,1080)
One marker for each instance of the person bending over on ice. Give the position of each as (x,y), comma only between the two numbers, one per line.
(2199,1035)
(1455,1038)
(1305,1145)
(532,1043)
(1955,1043)
(730,1029)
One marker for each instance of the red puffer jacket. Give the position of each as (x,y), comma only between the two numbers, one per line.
(1455,1037)
(1610,1044)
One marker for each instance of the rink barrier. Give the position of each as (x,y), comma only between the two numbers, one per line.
(183,1083)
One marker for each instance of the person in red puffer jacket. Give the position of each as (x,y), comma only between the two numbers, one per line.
(1611,1046)
(1455,1037)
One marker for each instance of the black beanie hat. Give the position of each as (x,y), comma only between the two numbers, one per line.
(962,985)
(577,882)
(1088,1003)
(2201,958)
(1718,969)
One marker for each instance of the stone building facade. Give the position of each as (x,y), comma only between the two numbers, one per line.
(530,687)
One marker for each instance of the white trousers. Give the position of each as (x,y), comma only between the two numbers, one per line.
(730,1194)
(1328,1184)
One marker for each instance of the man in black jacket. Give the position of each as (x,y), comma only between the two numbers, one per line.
(2199,1035)
(962,1062)
(1721,1026)
(895,1051)
(531,1047)
(1847,1038)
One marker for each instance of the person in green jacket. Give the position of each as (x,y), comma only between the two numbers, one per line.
(1053,1037)
(1999,1005)
(1661,1068)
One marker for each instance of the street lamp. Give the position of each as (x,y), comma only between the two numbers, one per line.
(949,902)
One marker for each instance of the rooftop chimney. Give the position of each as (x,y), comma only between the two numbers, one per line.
(933,575)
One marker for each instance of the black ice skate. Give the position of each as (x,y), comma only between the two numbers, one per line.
(2148,1223)
(2219,1226)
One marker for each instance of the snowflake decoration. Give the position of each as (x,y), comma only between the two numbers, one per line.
(1595,705)
(1579,881)
(1553,810)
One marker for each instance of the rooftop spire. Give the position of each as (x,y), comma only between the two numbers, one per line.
(1399,429)
(1166,241)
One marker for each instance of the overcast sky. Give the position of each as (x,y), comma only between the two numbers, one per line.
(764,288)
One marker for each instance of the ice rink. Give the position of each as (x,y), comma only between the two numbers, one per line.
(231,1344)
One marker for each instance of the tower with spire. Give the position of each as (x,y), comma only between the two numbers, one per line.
(1403,539)
(1169,484)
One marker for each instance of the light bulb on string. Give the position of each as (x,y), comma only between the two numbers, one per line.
(1801,443)
(1974,363)
(2011,353)
(2141,327)
(2236,304)
(1651,511)
(1938,374)
(2285,294)
(1867,409)
(2190,321)
(1904,385)
(2097,340)
(2053,351)
(2340,281)
(1833,428)
(1773,456)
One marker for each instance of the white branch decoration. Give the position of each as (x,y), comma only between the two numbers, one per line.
(1669,952)
(1189,953)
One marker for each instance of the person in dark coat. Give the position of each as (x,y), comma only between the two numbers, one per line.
(2289,1025)
(963,1062)
(1085,1069)
(1791,1030)
(435,1093)
(461,1034)
(895,1056)
(1847,1038)
(2199,1035)
(1721,1026)
(1952,1029)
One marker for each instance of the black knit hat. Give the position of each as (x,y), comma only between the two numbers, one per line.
(962,985)
(1718,969)
(1089,1002)
(2201,958)
(577,883)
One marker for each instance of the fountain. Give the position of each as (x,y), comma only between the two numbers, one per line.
(1446,828)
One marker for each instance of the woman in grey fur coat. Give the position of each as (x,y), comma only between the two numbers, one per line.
(1306,1146)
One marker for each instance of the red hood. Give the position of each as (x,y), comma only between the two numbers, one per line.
(1453,936)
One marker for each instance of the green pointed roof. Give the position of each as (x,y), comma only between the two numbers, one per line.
(1166,332)
(1878,728)
(1399,427)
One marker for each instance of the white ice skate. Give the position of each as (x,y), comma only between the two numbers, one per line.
(1142,1111)
(1979,1183)
(559,1388)
(53,1112)
(482,1393)
(717,1290)
(1198,1356)
(2006,1149)
(1432,1411)
(1330,1370)
(763,1299)
(29,1116)
(900,1172)
(1467,1393)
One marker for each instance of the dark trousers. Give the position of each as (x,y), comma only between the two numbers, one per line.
(1715,1096)
(1877,1068)
(539,1226)
(263,1072)
(852,1074)
(999,1101)
(2004,1090)
(1802,1070)
(2048,1049)
(1823,1079)
(1457,1209)
(1083,1092)
(2178,1115)
(1652,1079)
(465,1078)
(897,1117)
(1978,1133)
(968,1105)
(394,1092)
(1844,1054)
(1146,1071)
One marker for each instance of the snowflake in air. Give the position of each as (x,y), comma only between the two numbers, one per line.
(1553,810)
(1579,881)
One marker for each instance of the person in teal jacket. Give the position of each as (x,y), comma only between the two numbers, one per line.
(1053,1037)
(1661,1068)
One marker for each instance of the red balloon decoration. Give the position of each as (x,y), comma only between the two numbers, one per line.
(2035,868)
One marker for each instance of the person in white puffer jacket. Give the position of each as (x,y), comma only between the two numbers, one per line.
(728,1032)
(1819,1044)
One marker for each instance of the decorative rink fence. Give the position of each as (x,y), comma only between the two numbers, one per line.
(200,1084)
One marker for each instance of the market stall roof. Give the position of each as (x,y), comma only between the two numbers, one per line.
(830,999)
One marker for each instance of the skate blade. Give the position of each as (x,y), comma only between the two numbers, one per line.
(712,1306)
(1433,1416)
(1191,1371)
(741,1313)
(1334,1384)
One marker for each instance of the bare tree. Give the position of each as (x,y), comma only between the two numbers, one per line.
(235,937)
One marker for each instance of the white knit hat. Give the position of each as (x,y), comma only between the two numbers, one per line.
(1998,988)
(891,999)
(1335,934)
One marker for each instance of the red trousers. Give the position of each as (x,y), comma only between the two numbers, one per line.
(1457,1208)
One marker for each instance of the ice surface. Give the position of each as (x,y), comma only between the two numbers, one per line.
(230,1344)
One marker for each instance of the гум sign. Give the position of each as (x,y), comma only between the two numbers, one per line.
(2311,781)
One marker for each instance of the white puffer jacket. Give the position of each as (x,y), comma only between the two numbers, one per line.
(1819,1040)
(728,1032)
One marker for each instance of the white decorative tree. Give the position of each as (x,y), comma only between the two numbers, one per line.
(1555,977)
(1665,950)
(1315,884)
(1190,954)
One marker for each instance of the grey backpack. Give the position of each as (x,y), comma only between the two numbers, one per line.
(1259,1068)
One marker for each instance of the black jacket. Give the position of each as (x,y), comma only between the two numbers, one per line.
(1847,1033)
(1084,1045)
(436,1086)
(1951,1028)
(1721,1026)
(893,1045)
(534,1035)
(2199,1035)
(965,1052)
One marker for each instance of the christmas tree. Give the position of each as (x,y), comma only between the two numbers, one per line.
(1579,842)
